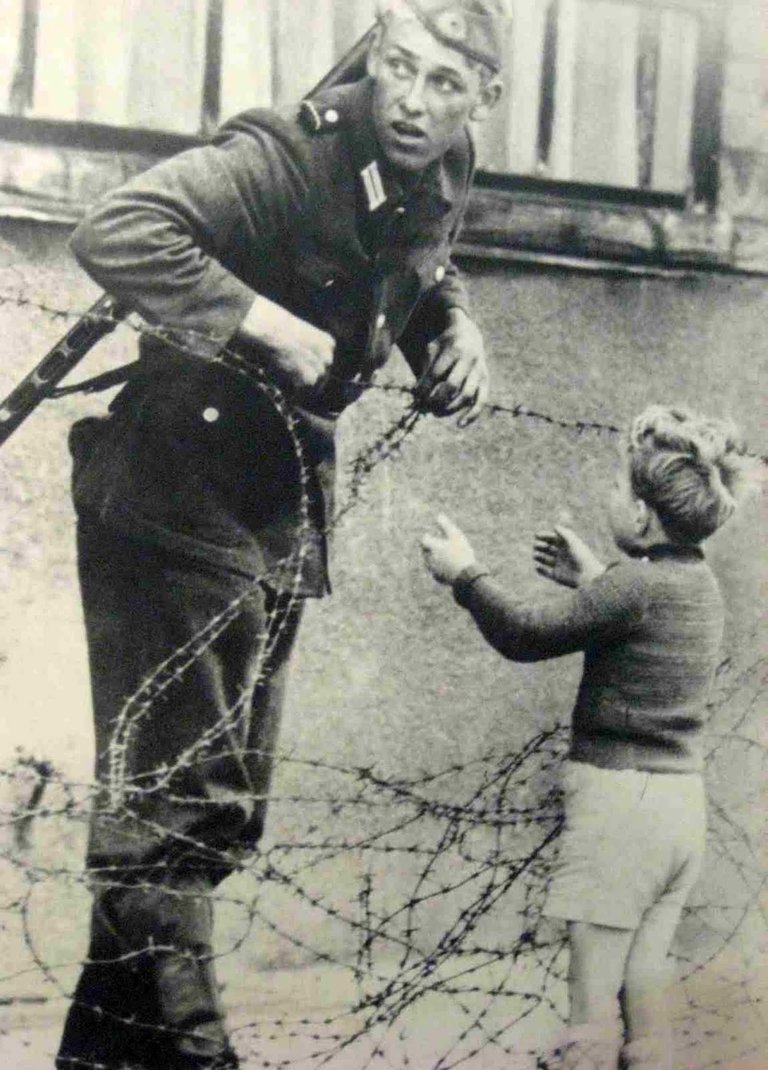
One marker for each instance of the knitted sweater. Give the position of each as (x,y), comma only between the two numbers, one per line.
(650,629)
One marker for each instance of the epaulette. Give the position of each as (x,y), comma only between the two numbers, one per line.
(318,120)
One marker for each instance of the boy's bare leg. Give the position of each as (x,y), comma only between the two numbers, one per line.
(647,990)
(598,955)
(598,959)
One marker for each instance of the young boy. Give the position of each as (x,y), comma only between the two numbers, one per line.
(650,628)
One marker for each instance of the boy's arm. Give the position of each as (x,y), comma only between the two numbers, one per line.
(604,611)
(561,556)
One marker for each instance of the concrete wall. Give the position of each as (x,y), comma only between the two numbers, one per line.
(390,673)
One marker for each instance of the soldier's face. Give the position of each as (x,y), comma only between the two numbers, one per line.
(424,93)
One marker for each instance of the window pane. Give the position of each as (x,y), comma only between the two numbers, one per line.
(246,66)
(304,46)
(599,92)
(165,64)
(352,19)
(10,32)
(508,141)
(601,52)
(56,74)
(140,63)
(675,98)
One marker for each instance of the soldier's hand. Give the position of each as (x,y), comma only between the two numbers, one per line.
(456,379)
(298,355)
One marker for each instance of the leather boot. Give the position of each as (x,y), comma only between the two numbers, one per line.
(112,1015)
(172,927)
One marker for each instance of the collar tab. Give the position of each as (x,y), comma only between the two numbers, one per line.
(373,185)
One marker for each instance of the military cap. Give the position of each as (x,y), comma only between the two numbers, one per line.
(473,27)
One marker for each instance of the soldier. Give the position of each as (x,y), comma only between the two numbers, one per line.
(310,240)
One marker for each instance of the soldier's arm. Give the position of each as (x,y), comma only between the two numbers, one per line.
(432,317)
(437,307)
(163,243)
(445,349)
(442,343)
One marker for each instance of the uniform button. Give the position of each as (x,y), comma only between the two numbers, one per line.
(439,273)
(211,415)
(331,116)
(381,319)
(400,210)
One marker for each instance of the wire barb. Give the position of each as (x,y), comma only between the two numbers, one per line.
(418,898)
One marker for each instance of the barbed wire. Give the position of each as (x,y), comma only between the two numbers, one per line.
(455,934)
(494,406)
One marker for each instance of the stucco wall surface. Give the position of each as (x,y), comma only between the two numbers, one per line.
(389,672)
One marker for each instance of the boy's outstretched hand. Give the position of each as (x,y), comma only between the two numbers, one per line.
(562,556)
(447,554)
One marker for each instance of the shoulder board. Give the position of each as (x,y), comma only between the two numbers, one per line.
(318,118)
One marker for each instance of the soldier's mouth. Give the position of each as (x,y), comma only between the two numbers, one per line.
(407,131)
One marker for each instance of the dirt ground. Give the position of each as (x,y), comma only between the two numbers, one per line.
(300,1017)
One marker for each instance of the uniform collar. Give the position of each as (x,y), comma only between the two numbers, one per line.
(380,185)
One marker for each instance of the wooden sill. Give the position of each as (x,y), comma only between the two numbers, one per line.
(51,172)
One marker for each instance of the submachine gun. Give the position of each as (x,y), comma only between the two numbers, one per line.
(102,318)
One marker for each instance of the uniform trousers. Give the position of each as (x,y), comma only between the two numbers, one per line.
(184,761)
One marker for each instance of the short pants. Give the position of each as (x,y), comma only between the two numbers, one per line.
(632,840)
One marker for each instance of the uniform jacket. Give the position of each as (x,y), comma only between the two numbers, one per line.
(297,206)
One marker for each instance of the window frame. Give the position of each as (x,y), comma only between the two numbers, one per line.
(705,131)
(69,134)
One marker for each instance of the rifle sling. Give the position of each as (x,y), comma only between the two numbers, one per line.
(98,382)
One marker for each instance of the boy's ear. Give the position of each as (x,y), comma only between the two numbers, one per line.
(487,101)
(642,517)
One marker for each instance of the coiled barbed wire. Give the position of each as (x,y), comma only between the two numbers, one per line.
(475,839)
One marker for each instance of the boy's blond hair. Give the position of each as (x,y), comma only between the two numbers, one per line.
(690,469)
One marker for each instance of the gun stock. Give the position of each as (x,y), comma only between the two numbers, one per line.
(100,320)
